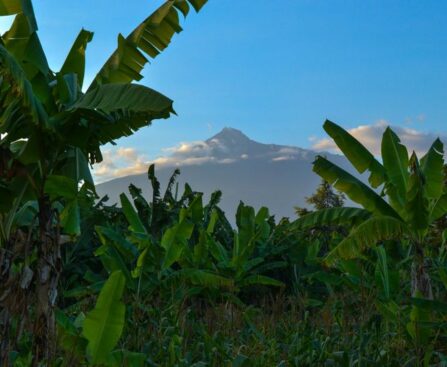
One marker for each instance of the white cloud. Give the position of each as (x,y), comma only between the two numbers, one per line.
(120,162)
(371,137)
(283,158)
(189,148)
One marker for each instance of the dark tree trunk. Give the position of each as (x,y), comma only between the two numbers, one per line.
(420,279)
(47,278)
(420,288)
(6,291)
(15,289)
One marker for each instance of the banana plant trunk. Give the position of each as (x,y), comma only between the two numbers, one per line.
(15,292)
(48,272)
(420,279)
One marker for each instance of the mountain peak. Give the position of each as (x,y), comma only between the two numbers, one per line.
(230,135)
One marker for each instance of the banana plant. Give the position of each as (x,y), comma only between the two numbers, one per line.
(52,128)
(192,245)
(405,197)
(232,266)
(245,260)
(92,338)
(160,235)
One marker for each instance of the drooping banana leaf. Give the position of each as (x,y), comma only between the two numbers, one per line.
(109,112)
(122,99)
(432,167)
(332,216)
(360,157)
(395,161)
(150,38)
(353,188)
(366,235)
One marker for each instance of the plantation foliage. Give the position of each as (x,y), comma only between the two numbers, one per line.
(167,280)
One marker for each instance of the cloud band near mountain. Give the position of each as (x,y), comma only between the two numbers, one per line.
(371,137)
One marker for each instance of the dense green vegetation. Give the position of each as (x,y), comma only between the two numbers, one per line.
(167,280)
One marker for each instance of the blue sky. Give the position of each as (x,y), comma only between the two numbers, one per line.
(276,69)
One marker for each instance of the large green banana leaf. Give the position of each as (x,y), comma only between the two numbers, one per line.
(151,37)
(432,166)
(395,161)
(75,60)
(113,98)
(104,324)
(174,241)
(245,221)
(131,215)
(112,111)
(360,157)
(22,42)
(416,208)
(332,216)
(366,235)
(356,190)
(21,108)
(74,164)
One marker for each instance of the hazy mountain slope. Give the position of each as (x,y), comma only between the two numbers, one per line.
(275,176)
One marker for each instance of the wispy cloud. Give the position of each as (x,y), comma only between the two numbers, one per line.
(371,137)
(120,162)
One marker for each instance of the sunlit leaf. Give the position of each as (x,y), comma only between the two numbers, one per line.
(104,324)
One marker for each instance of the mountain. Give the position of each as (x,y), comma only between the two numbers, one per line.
(279,177)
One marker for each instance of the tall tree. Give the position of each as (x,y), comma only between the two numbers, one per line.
(323,198)
(51,132)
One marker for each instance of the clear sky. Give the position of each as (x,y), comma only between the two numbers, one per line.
(275,69)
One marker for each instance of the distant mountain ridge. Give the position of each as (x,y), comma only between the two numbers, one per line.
(235,144)
(276,176)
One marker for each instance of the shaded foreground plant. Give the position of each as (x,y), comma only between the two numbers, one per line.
(416,193)
(51,130)
(412,197)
